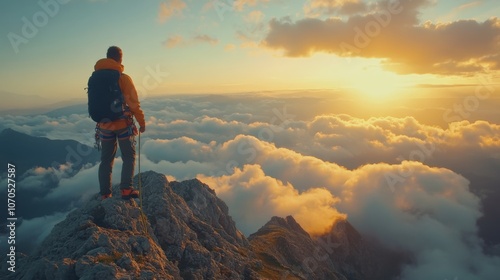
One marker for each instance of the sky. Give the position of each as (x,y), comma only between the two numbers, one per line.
(384,113)
(378,48)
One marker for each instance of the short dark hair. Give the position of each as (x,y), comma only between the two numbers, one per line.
(115,53)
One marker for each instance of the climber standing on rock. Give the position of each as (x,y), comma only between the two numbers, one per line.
(113,103)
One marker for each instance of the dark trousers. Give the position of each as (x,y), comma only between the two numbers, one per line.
(108,152)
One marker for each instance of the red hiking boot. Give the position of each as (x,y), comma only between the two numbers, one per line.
(106,196)
(130,193)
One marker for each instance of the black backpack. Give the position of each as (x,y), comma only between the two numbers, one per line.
(105,98)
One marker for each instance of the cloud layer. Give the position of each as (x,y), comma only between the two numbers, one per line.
(412,186)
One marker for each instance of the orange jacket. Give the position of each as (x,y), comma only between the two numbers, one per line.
(129,95)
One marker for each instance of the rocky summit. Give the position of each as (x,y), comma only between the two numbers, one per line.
(184,231)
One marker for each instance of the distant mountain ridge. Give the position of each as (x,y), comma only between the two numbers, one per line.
(27,151)
(189,234)
(16,104)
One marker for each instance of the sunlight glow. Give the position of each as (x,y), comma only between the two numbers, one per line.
(376,84)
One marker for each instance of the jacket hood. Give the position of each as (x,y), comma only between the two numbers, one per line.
(108,63)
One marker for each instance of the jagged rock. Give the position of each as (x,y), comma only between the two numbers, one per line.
(358,257)
(195,230)
(186,233)
(209,208)
(183,231)
(102,240)
(289,252)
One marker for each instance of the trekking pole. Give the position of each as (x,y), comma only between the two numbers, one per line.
(143,216)
(139,169)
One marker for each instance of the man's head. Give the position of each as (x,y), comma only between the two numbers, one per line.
(115,53)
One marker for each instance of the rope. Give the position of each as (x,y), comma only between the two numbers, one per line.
(97,138)
(143,216)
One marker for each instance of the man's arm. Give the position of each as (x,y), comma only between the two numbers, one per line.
(132,100)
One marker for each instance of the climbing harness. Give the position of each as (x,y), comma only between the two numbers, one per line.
(104,135)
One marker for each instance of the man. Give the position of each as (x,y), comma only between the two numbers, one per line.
(122,130)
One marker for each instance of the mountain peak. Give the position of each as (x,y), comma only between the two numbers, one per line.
(288,223)
(183,231)
(107,239)
(8,131)
(24,148)
(102,240)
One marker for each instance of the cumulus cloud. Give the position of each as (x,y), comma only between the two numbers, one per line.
(169,8)
(253,198)
(42,179)
(392,32)
(343,139)
(432,214)
(79,188)
(53,189)
(180,149)
(411,185)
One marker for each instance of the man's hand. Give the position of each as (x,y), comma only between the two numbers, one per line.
(142,129)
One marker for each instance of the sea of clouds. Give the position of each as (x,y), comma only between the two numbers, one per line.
(404,182)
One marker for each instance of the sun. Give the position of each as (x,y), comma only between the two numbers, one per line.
(369,80)
(377,85)
(378,90)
